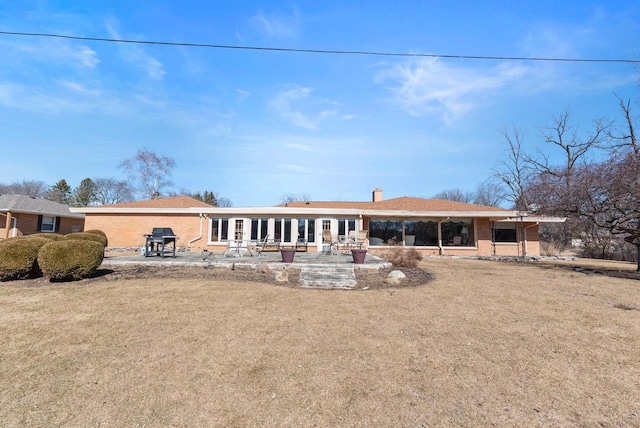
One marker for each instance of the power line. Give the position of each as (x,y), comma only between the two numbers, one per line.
(319,51)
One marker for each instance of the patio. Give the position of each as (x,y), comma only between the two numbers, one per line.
(272,259)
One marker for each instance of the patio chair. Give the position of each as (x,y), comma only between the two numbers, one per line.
(261,244)
(361,240)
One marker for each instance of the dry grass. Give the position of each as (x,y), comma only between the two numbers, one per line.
(484,344)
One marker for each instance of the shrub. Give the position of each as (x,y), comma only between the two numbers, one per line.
(50,236)
(403,258)
(88,237)
(18,257)
(70,259)
(98,232)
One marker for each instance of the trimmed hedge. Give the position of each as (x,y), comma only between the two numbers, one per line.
(88,237)
(51,236)
(98,232)
(70,259)
(18,257)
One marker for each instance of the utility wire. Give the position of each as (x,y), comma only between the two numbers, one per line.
(318,51)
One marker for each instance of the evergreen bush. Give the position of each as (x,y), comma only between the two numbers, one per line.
(88,237)
(18,257)
(50,236)
(71,259)
(98,232)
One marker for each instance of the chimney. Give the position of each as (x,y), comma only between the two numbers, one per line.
(377,195)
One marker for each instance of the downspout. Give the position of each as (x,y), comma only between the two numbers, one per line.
(199,236)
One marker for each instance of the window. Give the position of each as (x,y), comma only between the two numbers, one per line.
(458,233)
(48,224)
(422,233)
(505,232)
(259,227)
(282,229)
(219,229)
(345,225)
(307,229)
(385,232)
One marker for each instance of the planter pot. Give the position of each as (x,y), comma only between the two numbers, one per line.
(358,256)
(287,254)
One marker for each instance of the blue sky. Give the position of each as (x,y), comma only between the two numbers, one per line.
(255,125)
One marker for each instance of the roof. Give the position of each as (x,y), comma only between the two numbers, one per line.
(30,205)
(404,203)
(406,207)
(170,202)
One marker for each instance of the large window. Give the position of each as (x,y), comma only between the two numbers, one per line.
(219,229)
(282,229)
(259,227)
(345,225)
(307,229)
(505,232)
(385,232)
(458,233)
(421,233)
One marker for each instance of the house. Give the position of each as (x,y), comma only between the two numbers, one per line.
(432,226)
(24,215)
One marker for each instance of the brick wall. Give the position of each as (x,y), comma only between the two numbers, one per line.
(27,224)
(127,230)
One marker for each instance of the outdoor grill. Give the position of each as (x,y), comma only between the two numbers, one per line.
(160,241)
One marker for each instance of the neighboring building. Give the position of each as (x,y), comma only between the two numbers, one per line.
(24,215)
(432,226)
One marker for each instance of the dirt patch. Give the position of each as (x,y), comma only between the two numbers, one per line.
(367,279)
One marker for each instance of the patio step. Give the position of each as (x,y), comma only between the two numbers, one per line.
(341,277)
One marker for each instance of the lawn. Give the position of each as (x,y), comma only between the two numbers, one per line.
(483,344)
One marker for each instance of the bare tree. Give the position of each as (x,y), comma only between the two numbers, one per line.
(224,202)
(455,195)
(293,197)
(33,188)
(111,191)
(573,147)
(489,193)
(150,171)
(624,137)
(516,171)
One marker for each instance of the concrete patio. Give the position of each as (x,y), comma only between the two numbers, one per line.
(272,259)
(326,271)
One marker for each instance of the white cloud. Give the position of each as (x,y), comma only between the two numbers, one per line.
(243,95)
(281,26)
(136,55)
(431,87)
(58,51)
(78,88)
(298,106)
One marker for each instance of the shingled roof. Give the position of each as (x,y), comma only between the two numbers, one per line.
(404,203)
(170,202)
(30,205)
